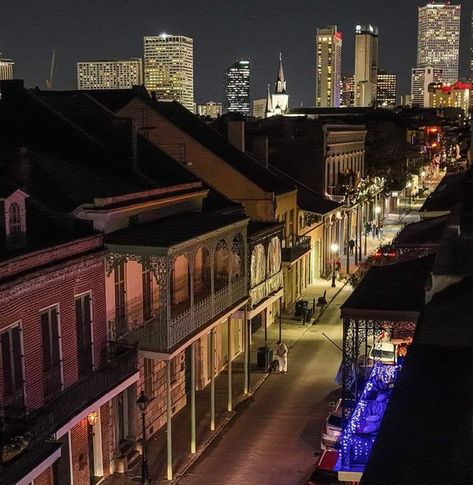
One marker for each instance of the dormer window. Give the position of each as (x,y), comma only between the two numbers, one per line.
(13,222)
(14,219)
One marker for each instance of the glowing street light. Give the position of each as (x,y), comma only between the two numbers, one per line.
(334,250)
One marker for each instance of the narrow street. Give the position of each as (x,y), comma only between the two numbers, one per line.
(272,442)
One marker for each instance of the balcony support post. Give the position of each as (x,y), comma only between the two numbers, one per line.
(193,426)
(246,331)
(229,351)
(169,419)
(212,379)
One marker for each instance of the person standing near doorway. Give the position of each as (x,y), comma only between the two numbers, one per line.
(281,353)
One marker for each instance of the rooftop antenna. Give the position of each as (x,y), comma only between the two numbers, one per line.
(49,82)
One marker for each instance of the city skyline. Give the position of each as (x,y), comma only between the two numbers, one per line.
(123,39)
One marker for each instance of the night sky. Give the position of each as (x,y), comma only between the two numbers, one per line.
(223,31)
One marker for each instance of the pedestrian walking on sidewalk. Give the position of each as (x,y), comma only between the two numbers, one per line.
(281,353)
(351,245)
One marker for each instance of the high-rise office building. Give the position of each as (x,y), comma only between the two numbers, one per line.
(439,38)
(119,74)
(6,69)
(329,67)
(366,65)
(386,90)
(348,91)
(169,68)
(421,78)
(237,87)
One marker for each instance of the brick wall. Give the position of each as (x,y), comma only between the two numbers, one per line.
(46,478)
(22,302)
(79,453)
(156,414)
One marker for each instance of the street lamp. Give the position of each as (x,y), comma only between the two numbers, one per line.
(422,176)
(142,402)
(333,249)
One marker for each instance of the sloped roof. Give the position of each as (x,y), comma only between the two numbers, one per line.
(425,233)
(445,195)
(393,289)
(221,147)
(308,199)
(169,231)
(425,437)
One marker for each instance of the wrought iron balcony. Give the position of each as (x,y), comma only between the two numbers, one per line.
(26,437)
(121,363)
(162,336)
(266,288)
(26,440)
(299,247)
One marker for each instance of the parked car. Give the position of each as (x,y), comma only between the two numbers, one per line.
(324,473)
(332,427)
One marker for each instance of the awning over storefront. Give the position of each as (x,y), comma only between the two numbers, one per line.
(391,292)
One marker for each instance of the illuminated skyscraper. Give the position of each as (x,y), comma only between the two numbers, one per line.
(386,90)
(348,91)
(421,78)
(6,69)
(439,38)
(169,68)
(366,65)
(237,87)
(122,74)
(329,67)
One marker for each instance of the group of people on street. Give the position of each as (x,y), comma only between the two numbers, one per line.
(374,229)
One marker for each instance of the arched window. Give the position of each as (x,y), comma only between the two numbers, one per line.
(202,275)
(274,256)
(237,257)
(14,219)
(180,286)
(258,265)
(221,266)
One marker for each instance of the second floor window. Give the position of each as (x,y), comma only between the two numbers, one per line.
(147,284)
(51,352)
(12,366)
(120,302)
(84,334)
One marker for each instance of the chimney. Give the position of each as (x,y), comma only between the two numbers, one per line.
(236,133)
(259,149)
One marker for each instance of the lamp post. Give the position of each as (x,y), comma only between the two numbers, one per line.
(408,186)
(142,402)
(91,422)
(333,249)
(377,211)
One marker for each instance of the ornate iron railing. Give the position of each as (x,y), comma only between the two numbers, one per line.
(299,247)
(26,439)
(266,288)
(163,336)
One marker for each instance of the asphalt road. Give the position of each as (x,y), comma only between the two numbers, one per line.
(272,440)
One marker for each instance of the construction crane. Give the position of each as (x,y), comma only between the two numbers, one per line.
(49,82)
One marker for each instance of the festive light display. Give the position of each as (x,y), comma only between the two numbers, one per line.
(360,432)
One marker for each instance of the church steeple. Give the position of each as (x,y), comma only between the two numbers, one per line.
(280,82)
